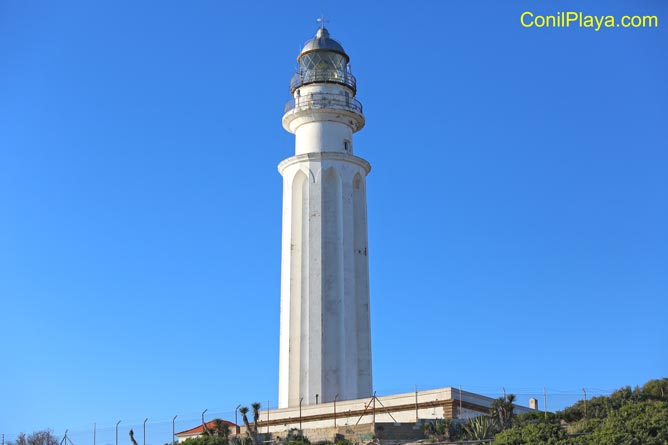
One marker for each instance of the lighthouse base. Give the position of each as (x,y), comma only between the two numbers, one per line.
(397,416)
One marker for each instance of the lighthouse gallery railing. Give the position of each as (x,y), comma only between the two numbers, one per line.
(325,76)
(323,101)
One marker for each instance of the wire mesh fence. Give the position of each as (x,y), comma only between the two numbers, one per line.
(146,431)
(161,431)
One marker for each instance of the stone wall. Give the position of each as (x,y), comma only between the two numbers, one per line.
(399,431)
(357,433)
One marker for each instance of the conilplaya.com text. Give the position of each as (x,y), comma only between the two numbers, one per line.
(578,19)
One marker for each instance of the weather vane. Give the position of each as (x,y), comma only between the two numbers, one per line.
(322,20)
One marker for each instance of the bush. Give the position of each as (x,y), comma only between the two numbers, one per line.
(534,417)
(534,434)
(206,440)
(443,429)
(481,427)
(638,423)
(655,390)
(583,426)
(296,437)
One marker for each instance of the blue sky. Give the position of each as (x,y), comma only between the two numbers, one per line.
(518,202)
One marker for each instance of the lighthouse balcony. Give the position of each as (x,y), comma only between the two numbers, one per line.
(316,101)
(306,77)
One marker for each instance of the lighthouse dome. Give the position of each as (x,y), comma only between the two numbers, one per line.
(322,42)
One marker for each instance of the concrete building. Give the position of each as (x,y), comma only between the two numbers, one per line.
(325,341)
(394,417)
(349,417)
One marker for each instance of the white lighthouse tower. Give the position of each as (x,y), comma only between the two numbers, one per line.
(325,341)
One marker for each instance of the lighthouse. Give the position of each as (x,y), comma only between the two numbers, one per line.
(325,338)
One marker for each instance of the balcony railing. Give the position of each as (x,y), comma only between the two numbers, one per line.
(325,76)
(324,101)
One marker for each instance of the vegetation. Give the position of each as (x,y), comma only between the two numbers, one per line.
(295,437)
(628,416)
(342,441)
(502,411)
(132,437)
(218,435)
(244,415)
(481,427)
(256,415)
(43,437)
(217,440)
(221,429)
(535,433)
(444,430)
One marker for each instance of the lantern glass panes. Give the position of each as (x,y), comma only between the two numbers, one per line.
(322,66)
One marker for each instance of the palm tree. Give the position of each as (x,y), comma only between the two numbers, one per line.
(132,437)
(256,415)
(221,429)
(225,431)
(244,410)
(502,411)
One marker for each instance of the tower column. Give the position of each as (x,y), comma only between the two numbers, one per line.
(325,343)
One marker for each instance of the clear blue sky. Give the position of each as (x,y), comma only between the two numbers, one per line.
(518,202)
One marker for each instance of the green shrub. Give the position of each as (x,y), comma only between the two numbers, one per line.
(481,427)
(533,434)
(583,426)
